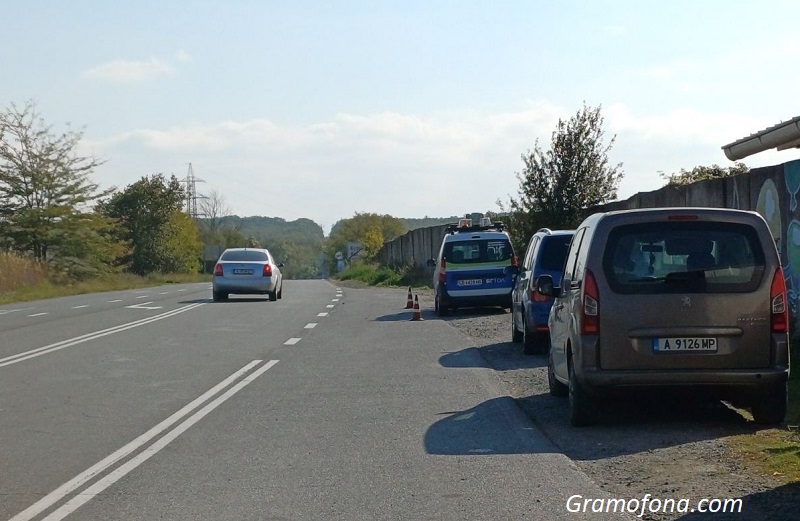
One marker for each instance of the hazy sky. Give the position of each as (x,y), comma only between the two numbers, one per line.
(412,108)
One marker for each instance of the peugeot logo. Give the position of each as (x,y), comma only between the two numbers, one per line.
(686,302)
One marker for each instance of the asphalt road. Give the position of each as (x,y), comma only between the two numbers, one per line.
(326,404)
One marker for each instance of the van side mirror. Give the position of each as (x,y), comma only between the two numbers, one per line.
(544,285)
(430,263)
(511,270)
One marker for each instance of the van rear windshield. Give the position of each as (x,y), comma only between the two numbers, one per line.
(682,257)
(554,252)
(478,250)
(244,256)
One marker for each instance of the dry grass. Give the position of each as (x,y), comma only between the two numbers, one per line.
(23,280)
(20,272)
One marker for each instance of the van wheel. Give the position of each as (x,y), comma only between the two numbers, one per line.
(531,343)
(556,387)
(770,409)
(441,309)
(516,335)
(581,406)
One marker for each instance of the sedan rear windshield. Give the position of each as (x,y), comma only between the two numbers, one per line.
(683,257)
(244,256)
(478,250)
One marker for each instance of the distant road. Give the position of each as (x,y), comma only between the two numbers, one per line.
(159,404)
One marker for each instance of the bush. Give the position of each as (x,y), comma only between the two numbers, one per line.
(381,276)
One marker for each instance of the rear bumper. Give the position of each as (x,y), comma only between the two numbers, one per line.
(767,378)
(245,286)
(502,299)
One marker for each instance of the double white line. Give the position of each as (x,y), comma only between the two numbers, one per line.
(112,477)
(91,336)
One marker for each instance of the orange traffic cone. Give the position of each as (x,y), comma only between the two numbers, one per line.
(409,300)
(416,315)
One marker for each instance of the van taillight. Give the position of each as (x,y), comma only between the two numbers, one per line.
(442,269)
(590,323)
(267,270)
(218,270)
(777,297)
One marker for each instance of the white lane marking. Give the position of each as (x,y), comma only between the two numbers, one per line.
(112,301)
(79,307)
(322,314)
(7,311)
(334,300)
(19,357)
(37,314)
(181,290)
(338,289)
(93,471)
(292,341)
(310,325)
(143,296)
(144,305)
(330,306)
(164,293)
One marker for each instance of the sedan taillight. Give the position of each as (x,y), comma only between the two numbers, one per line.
(267,270)
(218,270)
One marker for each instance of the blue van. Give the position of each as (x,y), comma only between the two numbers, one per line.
(472,268)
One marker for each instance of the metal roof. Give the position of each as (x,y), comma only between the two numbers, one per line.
(782,136)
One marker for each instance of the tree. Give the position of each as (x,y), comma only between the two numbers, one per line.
(702,173)
(45,190)
(370,230)
(559,184)
(146,212)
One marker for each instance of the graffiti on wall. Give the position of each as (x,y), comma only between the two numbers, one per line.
(785,232)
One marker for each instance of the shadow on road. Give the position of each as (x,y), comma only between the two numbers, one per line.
(505,357)
(486,429)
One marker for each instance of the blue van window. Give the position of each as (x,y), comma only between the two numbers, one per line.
(554,251)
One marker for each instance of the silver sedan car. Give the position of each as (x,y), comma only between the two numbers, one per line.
(247,271)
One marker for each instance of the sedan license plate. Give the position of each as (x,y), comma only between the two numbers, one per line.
(242,272)
(470,282)
(684,344)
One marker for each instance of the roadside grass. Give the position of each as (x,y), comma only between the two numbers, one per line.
(23,280)
(375,275)
(776,452)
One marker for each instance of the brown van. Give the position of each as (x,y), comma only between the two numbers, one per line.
(668,298)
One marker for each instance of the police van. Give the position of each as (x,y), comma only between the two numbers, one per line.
(473,266)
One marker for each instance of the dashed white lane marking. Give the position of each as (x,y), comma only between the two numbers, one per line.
(37,314)
(335,300)
(91,492)
(292,341)
(115,300)
(164,293)
(330,306)
(310,325)
(79,307)
(143,305)
(322,314)
(143,296)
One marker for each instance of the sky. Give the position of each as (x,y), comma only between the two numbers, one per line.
(410,108)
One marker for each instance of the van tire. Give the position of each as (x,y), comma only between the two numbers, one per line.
(581,406)
(441,309)
(531,342)
(556,387)
(516,335)
(770,408)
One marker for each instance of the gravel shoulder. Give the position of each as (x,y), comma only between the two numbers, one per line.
(668,448)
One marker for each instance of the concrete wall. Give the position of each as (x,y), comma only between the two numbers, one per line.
(412,249)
